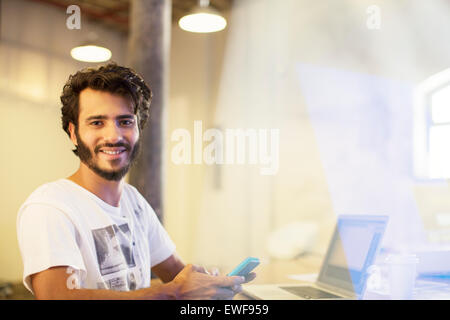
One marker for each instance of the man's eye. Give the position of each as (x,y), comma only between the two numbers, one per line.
(96,123)
(127,122)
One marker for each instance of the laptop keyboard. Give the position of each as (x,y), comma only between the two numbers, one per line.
(310,293)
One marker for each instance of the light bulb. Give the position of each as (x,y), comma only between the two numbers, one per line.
(90,53)
(203,22)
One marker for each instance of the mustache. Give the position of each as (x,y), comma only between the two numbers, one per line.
(113,145)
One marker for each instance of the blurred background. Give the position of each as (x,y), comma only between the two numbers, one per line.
(359,91)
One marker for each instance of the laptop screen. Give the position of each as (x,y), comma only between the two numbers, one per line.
(353,248)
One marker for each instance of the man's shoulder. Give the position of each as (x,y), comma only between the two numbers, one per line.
(48,188)
(51,195)
(49,192)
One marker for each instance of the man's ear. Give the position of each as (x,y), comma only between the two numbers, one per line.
(73,136)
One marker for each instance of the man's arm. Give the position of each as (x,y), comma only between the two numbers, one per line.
(169,268)
(188,284)
(53,283)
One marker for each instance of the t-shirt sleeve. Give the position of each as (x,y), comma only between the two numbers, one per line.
(161,245)
(47,238)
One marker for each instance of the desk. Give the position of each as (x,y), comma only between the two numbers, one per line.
(277,272)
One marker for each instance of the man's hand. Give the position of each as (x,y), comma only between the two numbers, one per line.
(195,283)
(215,272)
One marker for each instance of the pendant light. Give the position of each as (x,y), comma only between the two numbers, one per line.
(91,51)
(203,19)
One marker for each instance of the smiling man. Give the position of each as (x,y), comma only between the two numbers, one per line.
(92,235)
(111,158)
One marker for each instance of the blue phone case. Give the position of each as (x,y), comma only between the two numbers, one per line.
(245,267)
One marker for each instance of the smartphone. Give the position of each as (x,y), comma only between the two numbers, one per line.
(245,267)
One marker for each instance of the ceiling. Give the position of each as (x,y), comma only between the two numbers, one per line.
(114,13)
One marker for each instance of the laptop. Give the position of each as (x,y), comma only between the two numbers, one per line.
(352,250)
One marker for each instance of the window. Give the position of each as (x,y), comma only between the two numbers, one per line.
(432,127)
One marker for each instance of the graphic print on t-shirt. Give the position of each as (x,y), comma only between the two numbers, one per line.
(114,250)
(109,252)
(124,238)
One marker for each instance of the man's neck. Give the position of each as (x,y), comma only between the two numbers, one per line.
(108,191)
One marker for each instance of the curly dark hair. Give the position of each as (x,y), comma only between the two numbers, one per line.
(110,78)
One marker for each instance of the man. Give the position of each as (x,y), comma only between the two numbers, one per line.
(91,235)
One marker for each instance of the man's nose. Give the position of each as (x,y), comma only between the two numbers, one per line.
(112,133)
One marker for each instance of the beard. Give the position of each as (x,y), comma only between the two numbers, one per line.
(86,156)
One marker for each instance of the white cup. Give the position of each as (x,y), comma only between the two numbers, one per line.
(402,275)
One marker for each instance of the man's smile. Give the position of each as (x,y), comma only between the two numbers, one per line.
(112,154)
(113,151)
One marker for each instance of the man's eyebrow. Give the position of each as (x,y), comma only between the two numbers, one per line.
(104,117)
(125,116)
(96,117)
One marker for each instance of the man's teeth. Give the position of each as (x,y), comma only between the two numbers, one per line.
(112,152)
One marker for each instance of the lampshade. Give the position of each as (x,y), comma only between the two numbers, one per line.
(90,53)
(203,20)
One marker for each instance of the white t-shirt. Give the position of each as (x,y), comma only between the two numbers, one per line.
(104,247)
